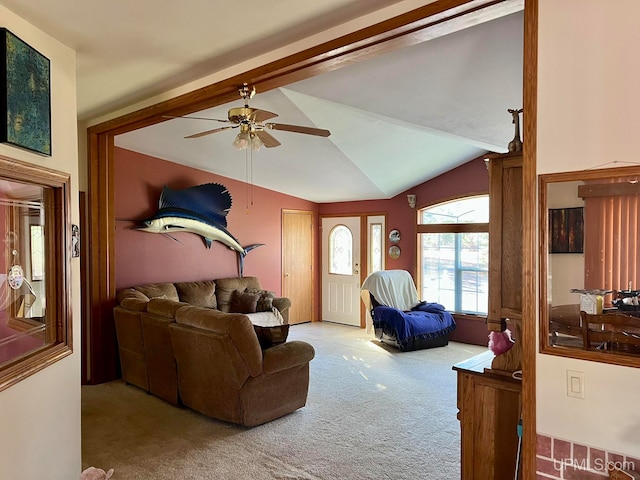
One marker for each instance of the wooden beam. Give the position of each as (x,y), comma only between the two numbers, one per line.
(529,241)
(609,189)
(422,24)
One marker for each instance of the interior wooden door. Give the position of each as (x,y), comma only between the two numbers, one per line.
(297,263)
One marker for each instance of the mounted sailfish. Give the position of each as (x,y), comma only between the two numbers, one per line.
(202,210)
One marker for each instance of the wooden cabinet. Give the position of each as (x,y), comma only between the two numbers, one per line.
(488,410)
(505,239)
(489,398)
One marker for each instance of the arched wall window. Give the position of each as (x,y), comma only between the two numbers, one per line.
(454,254)
(341,250)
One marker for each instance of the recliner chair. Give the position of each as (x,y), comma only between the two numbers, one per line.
(224,373)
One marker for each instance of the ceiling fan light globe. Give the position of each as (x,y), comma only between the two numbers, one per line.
(256,143)
(242,141)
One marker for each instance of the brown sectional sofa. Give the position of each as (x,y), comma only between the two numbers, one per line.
(180,342)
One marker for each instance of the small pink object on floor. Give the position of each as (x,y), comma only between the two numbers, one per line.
(93,473)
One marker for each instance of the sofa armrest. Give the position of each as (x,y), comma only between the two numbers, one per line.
(137,304)
(128,293)
(283,304)
(287,355)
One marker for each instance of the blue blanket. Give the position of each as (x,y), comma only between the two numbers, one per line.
(425,320)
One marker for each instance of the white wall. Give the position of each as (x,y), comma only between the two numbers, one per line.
(566,269)
(395,9)
(40,416)
(588,104)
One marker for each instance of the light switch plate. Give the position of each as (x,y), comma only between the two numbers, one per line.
(575,384)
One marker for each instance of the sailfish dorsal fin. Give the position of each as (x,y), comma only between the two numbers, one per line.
(211,200)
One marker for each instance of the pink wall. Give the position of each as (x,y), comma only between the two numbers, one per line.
(23,344)
(145,258)
(148,257)
(470,178)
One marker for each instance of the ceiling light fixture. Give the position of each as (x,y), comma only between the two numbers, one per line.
(247,139)
(256,143)
(242,141)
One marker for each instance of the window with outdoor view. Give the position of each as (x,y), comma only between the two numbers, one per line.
(375,247)
(454,254)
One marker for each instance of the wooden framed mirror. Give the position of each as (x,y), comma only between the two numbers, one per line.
(35,290)
(590,265)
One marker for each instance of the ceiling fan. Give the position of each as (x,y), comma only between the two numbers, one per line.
(251,122)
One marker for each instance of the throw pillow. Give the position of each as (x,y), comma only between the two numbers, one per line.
(269,336)
(243,302)
(198,294)
(265,302)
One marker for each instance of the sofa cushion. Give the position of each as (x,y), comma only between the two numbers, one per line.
(159,290)
(265,301)
(164,307)
(198,294)
(269,336)
(242,302)
(235,325)
(207,319)
(226,286)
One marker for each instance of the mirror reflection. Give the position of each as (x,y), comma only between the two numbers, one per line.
(22,273)
(590,264)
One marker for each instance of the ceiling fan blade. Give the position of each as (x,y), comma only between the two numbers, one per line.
(198,118)
(267,139)
(208,132)
(260,116)
(298,129)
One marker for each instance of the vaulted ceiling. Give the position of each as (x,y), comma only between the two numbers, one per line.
(396,120)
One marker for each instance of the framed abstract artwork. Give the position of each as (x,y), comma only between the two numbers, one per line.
(566,230)
(25,88)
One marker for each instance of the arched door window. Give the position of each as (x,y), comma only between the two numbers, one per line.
(341,251)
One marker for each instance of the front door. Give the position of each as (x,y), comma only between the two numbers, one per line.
(341,270)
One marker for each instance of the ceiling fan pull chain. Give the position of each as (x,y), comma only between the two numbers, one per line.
(248,155)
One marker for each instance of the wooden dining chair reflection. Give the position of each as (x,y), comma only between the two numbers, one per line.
(565,326)
(611,332)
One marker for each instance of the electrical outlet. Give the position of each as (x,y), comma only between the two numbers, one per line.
(575,384)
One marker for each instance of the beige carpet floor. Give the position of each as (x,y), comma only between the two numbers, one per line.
(372,413)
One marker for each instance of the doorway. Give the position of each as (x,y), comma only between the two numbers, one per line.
(341,270)
(402,30)
(297,264)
